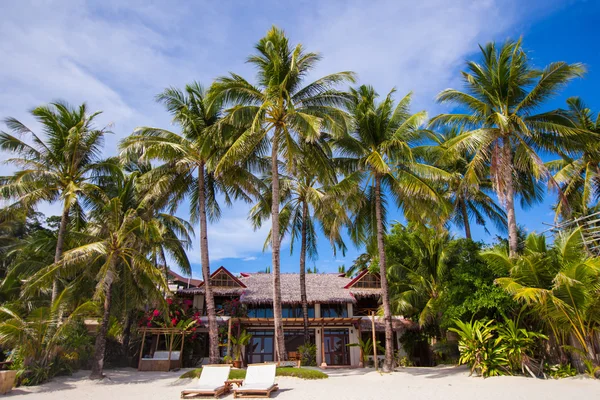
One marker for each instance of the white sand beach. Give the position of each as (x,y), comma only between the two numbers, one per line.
(445,383)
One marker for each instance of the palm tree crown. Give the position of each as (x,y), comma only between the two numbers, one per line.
(502,129)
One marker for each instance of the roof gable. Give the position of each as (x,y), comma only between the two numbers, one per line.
(223,278)
(365,280)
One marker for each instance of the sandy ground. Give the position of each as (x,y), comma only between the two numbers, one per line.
(445,383)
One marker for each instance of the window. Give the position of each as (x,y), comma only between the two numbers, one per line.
(222,279)
(260,312)
(334,310)
(287,311)
(368,281)
(295,311)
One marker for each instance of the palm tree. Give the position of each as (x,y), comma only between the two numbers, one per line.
(501,128)
(305,200)
(380,148)
(559,283)
(278,113)
(468,202)
(579,174)
(62,167)
(420,280)
(116,244)
(187,171)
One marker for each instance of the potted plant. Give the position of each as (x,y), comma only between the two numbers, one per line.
(239,342)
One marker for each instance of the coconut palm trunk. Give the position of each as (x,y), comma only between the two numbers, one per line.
(387,313)
(275,245)
(509,191)
(303,298)
(465,217)
(213,332)
(60,243)
(100,346)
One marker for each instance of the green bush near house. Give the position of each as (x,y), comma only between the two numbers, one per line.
(302,373)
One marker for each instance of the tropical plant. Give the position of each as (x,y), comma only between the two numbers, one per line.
(480,349)
(419,275)
(239,342)
(188,173)
(37,343)
(578,172)
(308,354)
(366,348)
(558,284)
(379,155)
(518,344)
(64,165)
(500,127)
(279,113)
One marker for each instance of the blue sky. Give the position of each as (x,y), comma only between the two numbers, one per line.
(118,55)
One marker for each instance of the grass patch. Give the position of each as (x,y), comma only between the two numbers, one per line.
(302,373)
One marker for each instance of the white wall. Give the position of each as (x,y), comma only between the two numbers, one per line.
(199,302)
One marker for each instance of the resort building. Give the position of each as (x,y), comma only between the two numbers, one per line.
(341,310)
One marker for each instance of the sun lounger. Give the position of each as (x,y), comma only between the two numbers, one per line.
(259,381)
(212,382)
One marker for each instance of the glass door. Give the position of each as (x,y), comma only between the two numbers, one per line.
(336,342)
(260,349)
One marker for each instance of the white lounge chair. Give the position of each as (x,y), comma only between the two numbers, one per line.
(212,382)
(259,381)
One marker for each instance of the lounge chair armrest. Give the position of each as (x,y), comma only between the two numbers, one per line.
(236,381)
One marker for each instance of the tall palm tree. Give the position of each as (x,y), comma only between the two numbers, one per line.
(187,172)
(306,202)
(62,165)
(578,174)
(279,113)
(468,202)
(500,126)
(380,148)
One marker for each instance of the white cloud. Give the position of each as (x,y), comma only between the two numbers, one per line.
(118,55)
(252,258)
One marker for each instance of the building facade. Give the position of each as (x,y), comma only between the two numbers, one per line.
(340,310)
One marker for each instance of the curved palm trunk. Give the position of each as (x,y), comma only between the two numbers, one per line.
(465,217)
(510,199)
(100,346)
(303,298)
(275,245)
(387,313)
(60,242)
(213,330)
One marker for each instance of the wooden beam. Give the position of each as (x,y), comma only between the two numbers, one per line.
(374,339)
(142,349)
(323,362)
(229,337)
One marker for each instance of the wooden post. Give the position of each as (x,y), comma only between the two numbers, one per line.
(229,337)
(181,350)
(142,349)
(362,356)
(374,340)
(323,362)
(171,349)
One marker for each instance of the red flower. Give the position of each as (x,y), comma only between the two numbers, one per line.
(174,321)
(194,329)
(169,301)
(187,302)
(177,312)
(156,313)
(149,323)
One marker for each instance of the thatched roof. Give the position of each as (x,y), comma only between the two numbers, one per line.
(320,288)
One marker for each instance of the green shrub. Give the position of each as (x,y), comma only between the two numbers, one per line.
(308,354)
(495,349)
(558,371)
(302,373)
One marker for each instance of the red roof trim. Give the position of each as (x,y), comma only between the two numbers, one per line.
(244,274)
(222,268)
(358,278)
